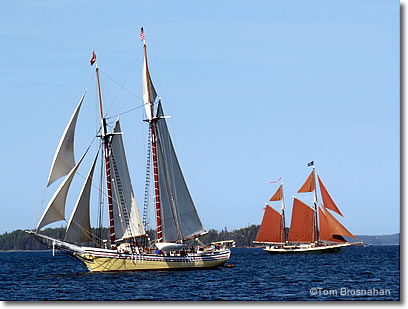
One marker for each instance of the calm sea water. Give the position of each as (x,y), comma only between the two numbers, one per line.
(256,276)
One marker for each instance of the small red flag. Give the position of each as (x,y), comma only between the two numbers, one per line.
(93,59)
(280,178)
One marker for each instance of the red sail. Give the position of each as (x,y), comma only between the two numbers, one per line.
(325,233)
(278,196)
(301,226)
(335,226)
(271,229)
(327,200)
(309,185)
(325,229)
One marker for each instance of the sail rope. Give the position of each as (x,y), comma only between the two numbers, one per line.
(101,200)
(147,180)
(121,203)
(125,112)
(122,85)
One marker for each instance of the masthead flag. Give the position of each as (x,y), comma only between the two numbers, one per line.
(310,163)
(93,59)
(142,36)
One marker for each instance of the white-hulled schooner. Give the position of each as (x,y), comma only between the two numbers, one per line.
(312,230)
(129,248)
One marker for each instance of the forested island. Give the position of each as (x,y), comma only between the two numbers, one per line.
(244,237)
(20,240)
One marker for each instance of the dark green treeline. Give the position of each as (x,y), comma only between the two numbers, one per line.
(20,240)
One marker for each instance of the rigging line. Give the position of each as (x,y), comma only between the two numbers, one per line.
(100,188)
(82,228)
(122,209)
(121,86)
(39,213)
(128,111)
(90,80)
(94,185)
(101,199)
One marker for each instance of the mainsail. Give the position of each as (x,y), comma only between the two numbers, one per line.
(301,226)
(271,230)
(79,225)
(126,214)
(64,159)
(55,210)
(179,216)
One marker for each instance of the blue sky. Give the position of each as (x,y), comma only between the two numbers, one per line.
(256,90)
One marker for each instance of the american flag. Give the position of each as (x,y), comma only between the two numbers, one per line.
(142,36)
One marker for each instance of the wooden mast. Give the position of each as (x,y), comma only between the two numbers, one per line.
(283,218)
(152,123)
(105,138)
(317,238)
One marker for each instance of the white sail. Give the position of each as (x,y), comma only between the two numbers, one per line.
(178,214)
(64,159)
(55,210)
(149,93)
(126,214)
(79,226)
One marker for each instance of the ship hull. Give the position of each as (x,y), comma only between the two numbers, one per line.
(108,260)
(307,250)
(105,261)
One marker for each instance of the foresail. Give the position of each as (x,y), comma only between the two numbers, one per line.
(126,214)
(271,229)
(64,159)
(55,210)
(179,216)
(79,226)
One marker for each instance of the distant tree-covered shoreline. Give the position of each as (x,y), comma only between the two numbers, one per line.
(20,240)
(244,237)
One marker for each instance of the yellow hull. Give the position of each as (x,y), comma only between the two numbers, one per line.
(105,260)
(110,261)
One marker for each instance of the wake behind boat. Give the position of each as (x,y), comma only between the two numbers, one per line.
(312,230)
(129,248)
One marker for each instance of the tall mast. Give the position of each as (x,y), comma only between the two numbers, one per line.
(315,206)
(152,121)
(283,216)
(105,138)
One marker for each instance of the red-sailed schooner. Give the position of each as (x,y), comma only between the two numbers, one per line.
(312,229)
